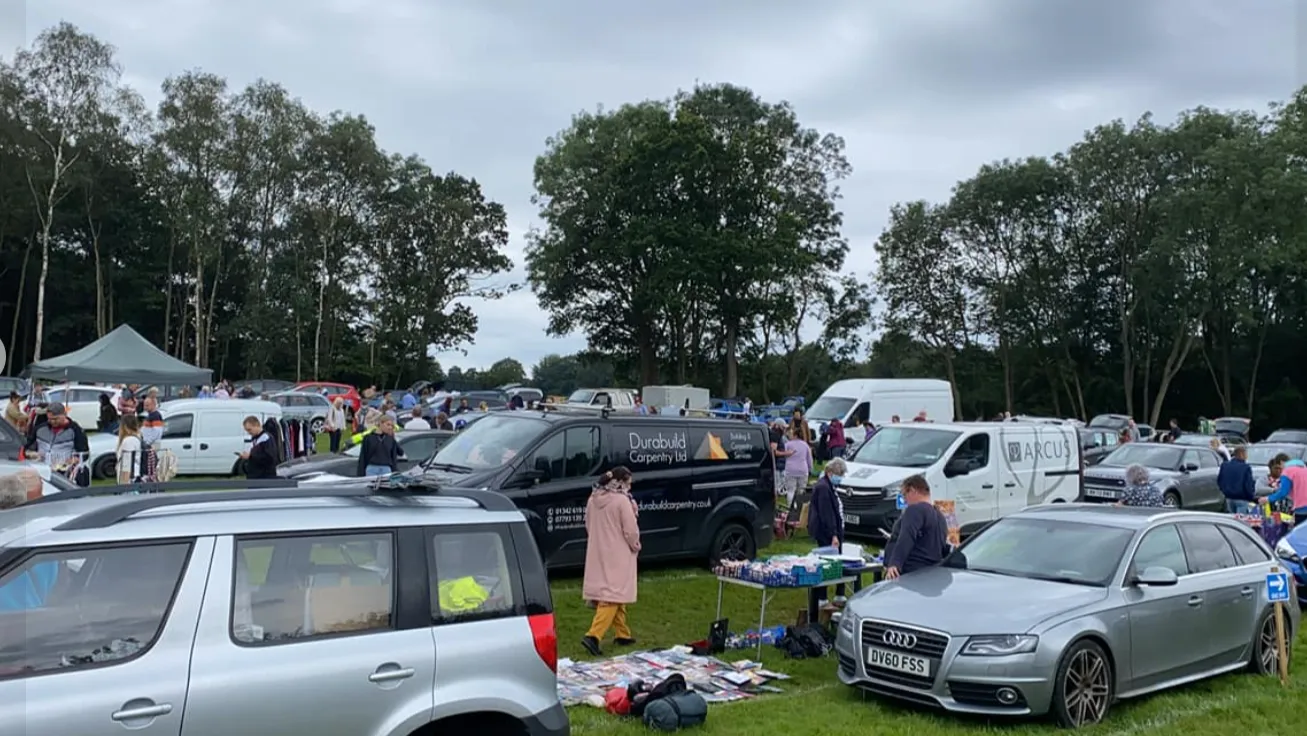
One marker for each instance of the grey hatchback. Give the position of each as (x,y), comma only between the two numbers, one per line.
(334,610)
(1066,608)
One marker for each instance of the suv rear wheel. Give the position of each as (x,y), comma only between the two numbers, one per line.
(733,541)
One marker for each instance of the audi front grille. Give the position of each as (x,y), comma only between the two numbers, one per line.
(909,641)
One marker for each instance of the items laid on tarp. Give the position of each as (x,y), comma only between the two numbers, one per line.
(588,683)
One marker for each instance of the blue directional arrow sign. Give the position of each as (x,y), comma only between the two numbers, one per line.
(1277,587)
(900,503)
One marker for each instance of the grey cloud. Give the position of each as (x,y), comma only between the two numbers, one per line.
(923,93)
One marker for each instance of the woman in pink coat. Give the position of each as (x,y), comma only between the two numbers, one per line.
(613,532)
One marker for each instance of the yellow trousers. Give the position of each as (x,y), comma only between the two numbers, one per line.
(609,616)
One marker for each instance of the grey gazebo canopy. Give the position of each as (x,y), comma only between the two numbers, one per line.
(122,356)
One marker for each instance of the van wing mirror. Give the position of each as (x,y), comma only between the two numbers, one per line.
(957,466)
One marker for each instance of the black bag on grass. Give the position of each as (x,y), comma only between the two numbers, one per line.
(675,711)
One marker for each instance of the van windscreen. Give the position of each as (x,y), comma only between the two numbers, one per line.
(490,442)
(897,446)
(830,407)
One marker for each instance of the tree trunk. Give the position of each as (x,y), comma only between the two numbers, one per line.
(648,356)
(1174,362)
(950,372)
(199,309)
(167,296)
(732,360)
(47,224)
(18,312)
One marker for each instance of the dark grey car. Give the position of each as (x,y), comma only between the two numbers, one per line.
(1185,475)
(416,444)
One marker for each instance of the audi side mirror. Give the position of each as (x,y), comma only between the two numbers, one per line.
(1159,577)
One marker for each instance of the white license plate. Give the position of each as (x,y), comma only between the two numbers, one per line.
(853,519)
(897,661)
(1102,493)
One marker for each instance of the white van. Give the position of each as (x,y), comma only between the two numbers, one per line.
(881,399)
(988,469)
(205,435)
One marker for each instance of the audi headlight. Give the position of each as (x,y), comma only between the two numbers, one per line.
(1000,645)
(848,622)
(1285,551)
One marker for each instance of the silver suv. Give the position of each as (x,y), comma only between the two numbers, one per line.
(344,610)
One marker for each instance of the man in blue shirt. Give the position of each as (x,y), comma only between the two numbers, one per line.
(409,401)
(1235,479)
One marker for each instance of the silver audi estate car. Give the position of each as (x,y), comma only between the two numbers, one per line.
(1063,609)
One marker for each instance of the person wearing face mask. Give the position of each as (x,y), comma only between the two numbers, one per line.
(920,536)
(826,512)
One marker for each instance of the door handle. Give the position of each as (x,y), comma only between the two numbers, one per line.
(203,446)
(988,485)
(1009,485)
(142,712)
(391,675)
(1246,591)
(186,447)
(1195,600)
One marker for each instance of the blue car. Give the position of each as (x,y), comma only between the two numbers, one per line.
(1292,551)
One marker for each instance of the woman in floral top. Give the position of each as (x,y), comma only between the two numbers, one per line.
(1139,490)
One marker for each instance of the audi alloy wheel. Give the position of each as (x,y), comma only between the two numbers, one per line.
(1084,686)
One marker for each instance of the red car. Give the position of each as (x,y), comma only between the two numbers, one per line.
(353,401)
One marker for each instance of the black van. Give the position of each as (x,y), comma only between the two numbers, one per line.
(704,486)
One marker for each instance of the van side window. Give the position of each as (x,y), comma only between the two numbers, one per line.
(581,445)
(178,427)
(862,413)
(975,451)
(572,453)
(550,458)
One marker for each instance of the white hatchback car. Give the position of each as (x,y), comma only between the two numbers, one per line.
(82,402)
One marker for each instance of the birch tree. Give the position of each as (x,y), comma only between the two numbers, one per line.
(69,79)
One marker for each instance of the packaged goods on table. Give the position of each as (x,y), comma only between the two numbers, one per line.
(781,571)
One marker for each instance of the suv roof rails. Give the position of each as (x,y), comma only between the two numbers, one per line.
(138,498)
(168,487)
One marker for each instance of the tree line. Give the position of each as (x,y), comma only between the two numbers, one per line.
(1154,269)
(238,229)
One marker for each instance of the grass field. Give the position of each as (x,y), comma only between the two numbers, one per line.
(676,606)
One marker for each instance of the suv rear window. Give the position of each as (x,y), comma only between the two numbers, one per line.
(475,574)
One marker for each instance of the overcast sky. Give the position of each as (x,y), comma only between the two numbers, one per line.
(923,91)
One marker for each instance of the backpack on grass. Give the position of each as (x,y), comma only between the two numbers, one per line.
(675,711)
(668,706)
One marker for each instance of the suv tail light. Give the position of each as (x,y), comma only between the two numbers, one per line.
(546,638)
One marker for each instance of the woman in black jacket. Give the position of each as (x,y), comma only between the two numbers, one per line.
(380,453)
(826,512)
(264,455)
